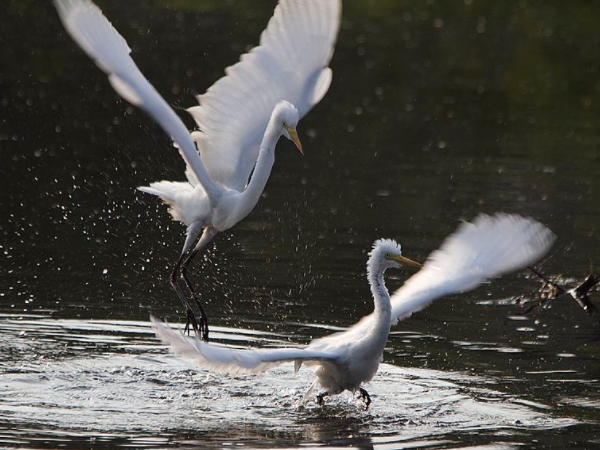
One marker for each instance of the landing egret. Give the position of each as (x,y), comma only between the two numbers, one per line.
(489,247)
(240,117)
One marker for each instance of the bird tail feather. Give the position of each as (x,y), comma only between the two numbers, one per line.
(169,192)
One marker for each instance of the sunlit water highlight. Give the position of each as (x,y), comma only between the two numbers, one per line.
(110,381)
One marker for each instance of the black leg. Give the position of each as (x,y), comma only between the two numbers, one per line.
(321,397)
(190,317)
(207,236)
(366,398)
(203,322)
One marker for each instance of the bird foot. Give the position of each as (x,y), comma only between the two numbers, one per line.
(204,327)
(203,318)
(365,397)
(200,328)
(321,397)
(191,323)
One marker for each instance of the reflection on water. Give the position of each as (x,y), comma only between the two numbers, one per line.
(109,381)
(437,111)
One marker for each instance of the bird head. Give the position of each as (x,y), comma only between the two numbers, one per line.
(289,117)
(391,254)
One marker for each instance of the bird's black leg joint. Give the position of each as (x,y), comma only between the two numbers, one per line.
(366,398)
(321,397)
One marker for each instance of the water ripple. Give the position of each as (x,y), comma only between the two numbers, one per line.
(70,381)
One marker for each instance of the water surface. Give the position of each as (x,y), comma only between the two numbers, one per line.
(437,112)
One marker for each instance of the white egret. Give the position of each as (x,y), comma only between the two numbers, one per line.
(488,247)
(240,117)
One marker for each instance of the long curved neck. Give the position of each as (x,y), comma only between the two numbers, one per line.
(381,297)
(262,170)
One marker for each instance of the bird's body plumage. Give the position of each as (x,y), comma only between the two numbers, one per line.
(489,247)
(189,203)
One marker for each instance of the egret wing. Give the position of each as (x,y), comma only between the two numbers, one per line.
(290,63)
(232,360)
(489,247)
(108,49)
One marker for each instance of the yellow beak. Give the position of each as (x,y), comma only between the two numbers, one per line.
(406,262)
(295,139)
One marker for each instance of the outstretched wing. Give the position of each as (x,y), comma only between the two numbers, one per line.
(489,247)
(290,64)
(96,36)
(231,360)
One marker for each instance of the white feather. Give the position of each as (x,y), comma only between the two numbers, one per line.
(96,36)
(290,63)
(220,358)
(489,247)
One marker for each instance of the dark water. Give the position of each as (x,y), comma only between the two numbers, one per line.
(438,111)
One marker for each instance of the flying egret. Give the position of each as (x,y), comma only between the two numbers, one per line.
(240,117)
(489,247)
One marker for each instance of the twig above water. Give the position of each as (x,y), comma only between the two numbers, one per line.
(552,290)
